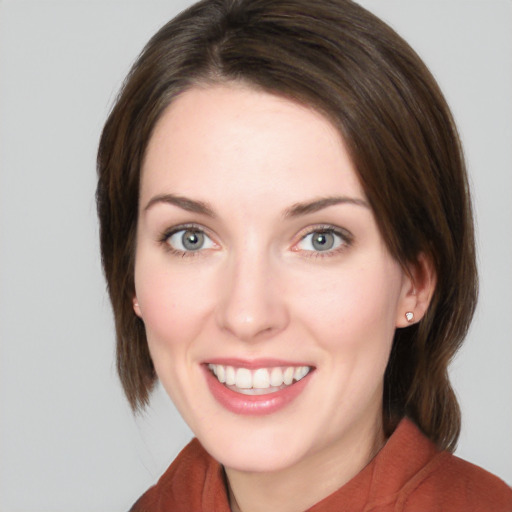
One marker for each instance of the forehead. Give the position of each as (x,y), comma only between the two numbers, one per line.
(215,139)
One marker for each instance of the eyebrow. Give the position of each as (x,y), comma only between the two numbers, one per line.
(319,204)
(190,205)
(296,210)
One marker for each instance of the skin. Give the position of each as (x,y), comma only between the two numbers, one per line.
(259,289)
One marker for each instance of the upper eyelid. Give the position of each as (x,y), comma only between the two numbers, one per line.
(192,226)
(343,232)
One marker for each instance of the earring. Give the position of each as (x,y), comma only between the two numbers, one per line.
(409,316)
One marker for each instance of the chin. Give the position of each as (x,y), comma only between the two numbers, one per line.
(265,450)
(264,460)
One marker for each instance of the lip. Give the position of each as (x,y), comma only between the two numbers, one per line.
(253,364)
(253,405)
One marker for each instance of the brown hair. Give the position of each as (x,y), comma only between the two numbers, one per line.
(338,58)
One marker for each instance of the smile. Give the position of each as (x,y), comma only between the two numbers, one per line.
(259,381)
(256,388)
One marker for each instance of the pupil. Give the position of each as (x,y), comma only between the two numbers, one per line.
(323,241)
(192,240)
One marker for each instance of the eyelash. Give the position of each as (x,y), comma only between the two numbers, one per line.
(347,239)
(345,236)
(166,235)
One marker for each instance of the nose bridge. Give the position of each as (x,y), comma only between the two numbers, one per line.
(251,305)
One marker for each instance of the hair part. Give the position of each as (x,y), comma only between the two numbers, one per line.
(341,60)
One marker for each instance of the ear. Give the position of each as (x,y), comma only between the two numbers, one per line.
(136,307)
(417,290)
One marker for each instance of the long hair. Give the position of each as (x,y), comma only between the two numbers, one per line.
(341,60)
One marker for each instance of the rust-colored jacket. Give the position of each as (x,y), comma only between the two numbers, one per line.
(408,475)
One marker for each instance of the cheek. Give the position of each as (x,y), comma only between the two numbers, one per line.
(173,302)
(353,308)
(173,309)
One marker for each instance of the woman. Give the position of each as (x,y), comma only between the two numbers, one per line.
(287,237)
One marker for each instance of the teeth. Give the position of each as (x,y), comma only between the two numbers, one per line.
(230,375)
(221,373)
(262,378)
(288,375)
(243,378)
(300,372)
(276,377)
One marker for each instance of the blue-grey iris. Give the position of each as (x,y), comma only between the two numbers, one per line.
(192,240)
(323,241)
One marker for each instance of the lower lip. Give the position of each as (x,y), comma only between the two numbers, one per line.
(254,405)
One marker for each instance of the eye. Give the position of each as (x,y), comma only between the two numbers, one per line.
(322,240)
(189,240)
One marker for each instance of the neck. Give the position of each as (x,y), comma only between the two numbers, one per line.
(315,477)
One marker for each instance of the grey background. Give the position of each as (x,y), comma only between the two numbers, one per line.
(68,441)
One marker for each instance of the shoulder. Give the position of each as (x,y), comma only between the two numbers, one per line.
(410,474)
(449,483)
(194,480)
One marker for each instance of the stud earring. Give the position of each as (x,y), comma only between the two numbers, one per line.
(409,316)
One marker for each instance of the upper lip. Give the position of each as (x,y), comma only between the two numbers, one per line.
(254,363)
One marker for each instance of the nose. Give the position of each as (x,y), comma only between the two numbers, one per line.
(251,303)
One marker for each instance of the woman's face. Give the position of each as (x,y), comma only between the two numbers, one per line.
(258,258)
